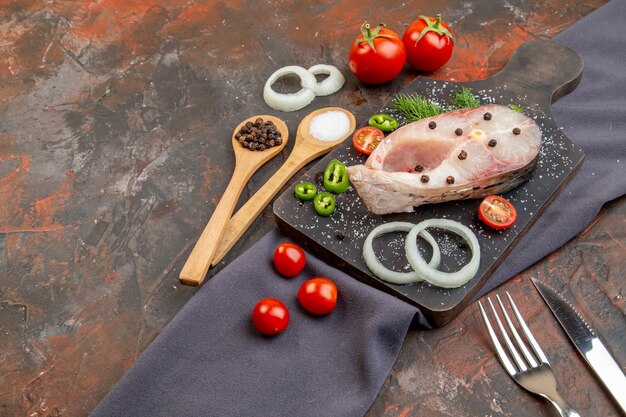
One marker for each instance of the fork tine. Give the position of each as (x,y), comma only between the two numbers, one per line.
(529,358)
(529,335)
(518,359)
(504,359)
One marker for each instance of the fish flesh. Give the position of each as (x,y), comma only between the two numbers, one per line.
(462,154)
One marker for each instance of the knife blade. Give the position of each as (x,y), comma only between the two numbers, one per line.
(587,342)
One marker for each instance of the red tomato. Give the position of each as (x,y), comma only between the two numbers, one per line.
(367,138)
(318,296)
(497,212)
(376,56)
(270,316)
(289,259)
(430,49)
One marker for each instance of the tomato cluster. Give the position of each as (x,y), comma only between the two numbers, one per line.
(317,295)
(378,55)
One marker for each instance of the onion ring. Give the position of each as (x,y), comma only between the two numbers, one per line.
(388,275)
(290,102)
(330,85)
(430,274)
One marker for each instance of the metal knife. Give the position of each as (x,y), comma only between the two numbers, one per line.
(587,343)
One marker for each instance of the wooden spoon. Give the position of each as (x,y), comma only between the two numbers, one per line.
(306,148)
(246,163)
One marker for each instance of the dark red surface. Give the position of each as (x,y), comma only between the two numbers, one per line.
(115,120)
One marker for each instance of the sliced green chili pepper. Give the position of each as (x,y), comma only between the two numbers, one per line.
(336,177)
(515,107)
(324,204)
(384,122)
(305,191)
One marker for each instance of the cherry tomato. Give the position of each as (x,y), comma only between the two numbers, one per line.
(367,138)
(497,212)
(289,259)
(376,56)
(270,316)
(428,42)
(318,296)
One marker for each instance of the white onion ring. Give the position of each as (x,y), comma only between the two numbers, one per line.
(430,274)
(331,84)
(290,102)
(388,275)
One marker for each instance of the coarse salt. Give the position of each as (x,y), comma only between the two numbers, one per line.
(329,126)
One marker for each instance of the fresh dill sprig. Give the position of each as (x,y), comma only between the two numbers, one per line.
(464,99)
(415,107)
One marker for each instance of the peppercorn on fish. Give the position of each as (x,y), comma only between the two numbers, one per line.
(463,154)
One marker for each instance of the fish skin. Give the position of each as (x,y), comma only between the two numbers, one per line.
(385,184)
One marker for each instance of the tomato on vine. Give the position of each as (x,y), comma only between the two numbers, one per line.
(377,55)
(428,42)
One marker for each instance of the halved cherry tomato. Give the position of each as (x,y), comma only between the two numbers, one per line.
(318,296)
(367,138)
(497,212)
(270,316)
(289,259)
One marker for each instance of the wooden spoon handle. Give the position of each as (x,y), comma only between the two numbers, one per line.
(239,223)
(197,265)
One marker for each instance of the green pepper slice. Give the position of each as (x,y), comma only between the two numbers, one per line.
(384,122)
(324,204)
(305,191)
(336,177)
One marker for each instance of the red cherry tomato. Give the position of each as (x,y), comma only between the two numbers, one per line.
(270,316)
(497,212)
(377,55)
(428,42)
(367,138)
(289,259)
(318,296)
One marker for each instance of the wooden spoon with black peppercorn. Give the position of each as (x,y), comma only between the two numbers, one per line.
(306,148)
(255,142)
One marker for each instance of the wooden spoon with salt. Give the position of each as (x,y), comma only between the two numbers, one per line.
(306,148)
(246,163)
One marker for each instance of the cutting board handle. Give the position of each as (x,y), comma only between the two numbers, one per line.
(543,66)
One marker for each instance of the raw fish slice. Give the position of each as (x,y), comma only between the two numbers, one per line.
(456,160)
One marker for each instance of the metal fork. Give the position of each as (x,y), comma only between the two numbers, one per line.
(535,374)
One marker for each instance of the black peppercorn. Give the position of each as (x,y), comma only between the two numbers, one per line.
(450,180)
(418,168)
(462,155)
(493,143)
(258,135)
(432,125)
(487,116)
(341,234)
(458,132)
(517,131)
(425,178)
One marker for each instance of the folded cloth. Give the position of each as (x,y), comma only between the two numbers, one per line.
(209,361)
(594,117)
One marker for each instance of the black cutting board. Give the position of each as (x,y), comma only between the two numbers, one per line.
(539,73)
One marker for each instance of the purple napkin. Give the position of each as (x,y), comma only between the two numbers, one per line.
(209,361)
(594,117)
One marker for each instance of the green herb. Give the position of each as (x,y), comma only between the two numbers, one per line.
(415,107)
(515,107)
(465,98)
